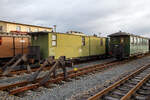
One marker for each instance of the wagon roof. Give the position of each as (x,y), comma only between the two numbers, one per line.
(120,34)
(124,34)
(44,33)
(37,33)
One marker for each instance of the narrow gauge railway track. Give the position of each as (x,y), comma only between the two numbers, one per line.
(19,87)
(34,69)
(26,85)
(135,86)
(48,67)
(25,71)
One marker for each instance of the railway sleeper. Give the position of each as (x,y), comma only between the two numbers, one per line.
(123,88)
(129,85)
(147,84)
(118,92)
(141,97)
(135,80)
(112,97)
(143,92)
(132,82)
(145,87)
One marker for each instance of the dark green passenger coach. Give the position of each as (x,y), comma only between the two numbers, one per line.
(124,45)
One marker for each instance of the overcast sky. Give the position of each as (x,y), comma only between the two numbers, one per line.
(89,16)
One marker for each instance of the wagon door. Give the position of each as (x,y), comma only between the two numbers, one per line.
(6,47)
(18,45)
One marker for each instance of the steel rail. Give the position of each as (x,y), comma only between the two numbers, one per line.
(82,71)
(60,74)
(133,90)
(118,83)
(46,68)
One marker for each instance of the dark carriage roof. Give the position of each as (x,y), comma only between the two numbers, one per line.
(125,34)
(120,34)
(38,33)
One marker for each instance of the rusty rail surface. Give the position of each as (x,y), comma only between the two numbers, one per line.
(59,77)
(26,71)
(100,94)
(46,68)
(81,71)
(60,74)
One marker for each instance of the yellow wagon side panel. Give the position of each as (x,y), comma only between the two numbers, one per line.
(68,45)
(97,46)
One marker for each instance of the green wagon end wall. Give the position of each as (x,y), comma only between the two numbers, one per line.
(42,41)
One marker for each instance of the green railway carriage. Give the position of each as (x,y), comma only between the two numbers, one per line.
(69,45)
(124,45)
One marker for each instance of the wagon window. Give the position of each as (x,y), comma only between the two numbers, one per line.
(142,41)
(53,37)
(1,28)
(54,40)
(138,40)
(83,41)
(53,43)
(101,41)
(35,37)
(132,40)
(146,41)
(0,40)
(121,40)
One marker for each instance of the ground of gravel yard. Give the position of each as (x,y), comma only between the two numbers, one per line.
(70,89)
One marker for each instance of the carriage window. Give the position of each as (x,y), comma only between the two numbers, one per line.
(54,39)
(0,40)
(101,41)
(142,41)
(1,28)
(146,42)
(138,40)
(83,41)
(35,37)
(53,43)
(122,40)
(132,40)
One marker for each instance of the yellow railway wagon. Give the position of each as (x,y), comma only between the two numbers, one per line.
(69,45)
(97,46)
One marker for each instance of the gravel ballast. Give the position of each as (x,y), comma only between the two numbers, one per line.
(69,89)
